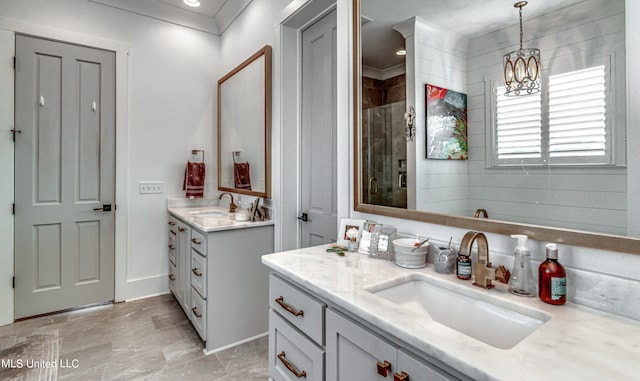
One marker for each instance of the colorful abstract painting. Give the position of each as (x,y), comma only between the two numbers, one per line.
(446,124)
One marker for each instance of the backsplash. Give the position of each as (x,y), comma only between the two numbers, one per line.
(596,289)
(603,280)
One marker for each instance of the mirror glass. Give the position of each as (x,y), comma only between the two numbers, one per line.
(456,49)
(244,127)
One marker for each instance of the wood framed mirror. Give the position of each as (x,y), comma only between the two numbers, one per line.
(628,242)
(244,127)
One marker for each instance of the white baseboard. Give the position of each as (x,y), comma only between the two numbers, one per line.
(216,350)
(143,288)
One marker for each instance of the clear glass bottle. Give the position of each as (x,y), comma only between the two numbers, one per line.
(522,282)
(552,278)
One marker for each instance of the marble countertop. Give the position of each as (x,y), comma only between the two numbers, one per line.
(211,218)
(576,343)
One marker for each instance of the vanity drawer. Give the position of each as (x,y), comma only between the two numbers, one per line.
(173,224)
(299,308)
(172,247)
(173,277)
(199,273)
(199,242)
(199,314)
(291,353)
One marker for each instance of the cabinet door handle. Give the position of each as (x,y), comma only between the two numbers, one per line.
(172,247)
(172,277)
(195,312)
(289,366)
(403,376)
(384,368)
(287,307)
(195,271)
(171,223)
(197,242)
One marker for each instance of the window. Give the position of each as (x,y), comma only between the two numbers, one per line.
(567,124)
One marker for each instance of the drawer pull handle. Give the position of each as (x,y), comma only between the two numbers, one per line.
(197,242)
(172,277)
(195,312)
(171,223)
(181,230)
(172,247)
(384,368)
(287,307)
(289,366)
(195,271)
(403,376)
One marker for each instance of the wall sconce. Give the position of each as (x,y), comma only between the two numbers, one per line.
(410,129)
(522,67)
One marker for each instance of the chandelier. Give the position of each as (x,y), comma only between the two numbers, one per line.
(522,67)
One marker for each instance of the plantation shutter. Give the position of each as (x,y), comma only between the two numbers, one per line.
(519,126)
(577,113)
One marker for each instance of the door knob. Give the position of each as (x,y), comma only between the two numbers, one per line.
(105,208)
(304,217)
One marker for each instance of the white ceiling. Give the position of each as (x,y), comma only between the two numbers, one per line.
(213,16)
(465,18)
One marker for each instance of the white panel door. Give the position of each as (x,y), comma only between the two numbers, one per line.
(318,135)
(64,176)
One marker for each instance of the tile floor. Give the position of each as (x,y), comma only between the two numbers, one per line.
(147,339)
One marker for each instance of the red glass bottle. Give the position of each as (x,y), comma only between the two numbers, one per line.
(552,278)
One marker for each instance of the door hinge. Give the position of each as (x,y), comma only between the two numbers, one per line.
(14,282)
(13,208)
(14,63)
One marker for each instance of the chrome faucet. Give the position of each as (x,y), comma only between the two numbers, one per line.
(232,206)
(483,272)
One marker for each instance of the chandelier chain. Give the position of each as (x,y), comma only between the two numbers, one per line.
(521,27)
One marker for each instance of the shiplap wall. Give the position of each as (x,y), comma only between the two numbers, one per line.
(591,199)
(440,60)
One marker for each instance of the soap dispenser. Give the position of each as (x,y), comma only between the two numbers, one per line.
(521,282)
(552,278)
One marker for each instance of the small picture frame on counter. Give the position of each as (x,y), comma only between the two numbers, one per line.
(347,224)
(365,238)
(381,242)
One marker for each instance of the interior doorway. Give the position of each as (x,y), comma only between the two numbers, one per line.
(318,186)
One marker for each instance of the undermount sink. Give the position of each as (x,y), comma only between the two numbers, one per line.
(212,218)
(210,214)
(493,321)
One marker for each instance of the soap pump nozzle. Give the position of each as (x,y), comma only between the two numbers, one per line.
(521,282)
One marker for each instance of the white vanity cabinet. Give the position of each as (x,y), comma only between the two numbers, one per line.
(356,353)
(296,333)
(218,278)
(198,275)
(309,339)
(179,256)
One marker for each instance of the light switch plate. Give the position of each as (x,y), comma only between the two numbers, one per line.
(149,187)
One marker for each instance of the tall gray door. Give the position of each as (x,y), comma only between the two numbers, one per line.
(64,176)
(319,129)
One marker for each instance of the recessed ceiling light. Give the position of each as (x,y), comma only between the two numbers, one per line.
(192,3)
(401,52)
